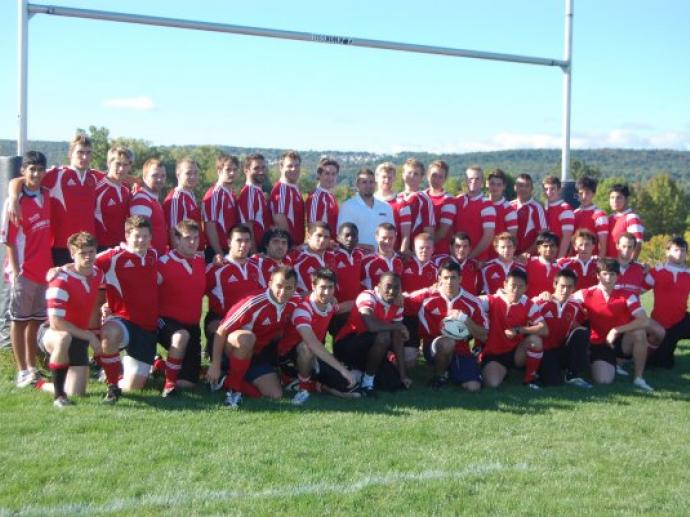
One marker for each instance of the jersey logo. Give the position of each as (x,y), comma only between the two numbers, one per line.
(232,278)
(548,315)
(436,312)
(111,202)
(129,263)
(495,276)
(71,182)
(408,270)
(341,265)
(266,322)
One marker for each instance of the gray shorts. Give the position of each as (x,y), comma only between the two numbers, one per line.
(27,300)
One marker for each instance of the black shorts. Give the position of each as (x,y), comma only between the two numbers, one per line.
(263,363)
(321,372)
(353,349)
(78,348)
(191,364)
(602,353)
(61,256)
(338,321)
(141,344)
(210,318)
(552,365)
(412,325)
(507,360)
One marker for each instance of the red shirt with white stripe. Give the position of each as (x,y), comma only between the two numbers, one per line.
(182,288)
(593,219)
(373,266)
(620,223)
(131,285)
(540,276)
(502,316)
(260,314)
(286,199)
(72,202)
(632,278)
(72,297)
(506,220)
(671,286)
(181,204)
(494,274)
(348,270)
(401,215)
(229,282)
(417,275)
(306,263)
(266,265)
(32,237)
(586,271)
(475,216)
(561,319)
(322,206)
(112,209)
(444,212)
(146,204)
(369,301)
(219,207)
(306,315)
(470,271)
(253,209)
(531,220)
(607,311)
(560,218)
(421,211)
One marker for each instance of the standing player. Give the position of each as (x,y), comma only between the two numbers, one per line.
(541,270)
(583,264)
(385,260)
(470,269)
(112,199)
(622,220)
(475,214)
(559,214)
(287,204)
(443,202)
(180,203)
(29,258)
(385,179)
(589,217)
(506,216)
(632,274)
(496,271)
(530,215)
(315,256)
(252,205)
(422,217)
(321,204)
(145,203)
(219,208)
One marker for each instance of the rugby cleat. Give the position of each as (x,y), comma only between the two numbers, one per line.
(233,399)
(300,398)
(113,394)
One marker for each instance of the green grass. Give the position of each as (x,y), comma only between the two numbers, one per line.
(510,451)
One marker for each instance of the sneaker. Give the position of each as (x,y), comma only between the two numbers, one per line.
(642,385)
(113,394)
(621,371)
(169,391)
(578,382)
(438,382)
(216,386)
(233,399)
(23,379)
(101,376)
(367,391)
(62,402)
(300,397)
(533,386)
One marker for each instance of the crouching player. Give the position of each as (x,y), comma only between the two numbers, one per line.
(515,330)
(451,357)
(248,334)
(304,338)
(71,297)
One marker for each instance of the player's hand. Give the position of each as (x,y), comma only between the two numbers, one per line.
(94,342)
(105,312)
(611,336)
(406,381)
(544,296)
(52,273)
(454,314)
(510,333)
(213,373)
(14,211)
(218,259)
(347,375)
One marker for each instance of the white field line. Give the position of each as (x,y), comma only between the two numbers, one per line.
(191,498)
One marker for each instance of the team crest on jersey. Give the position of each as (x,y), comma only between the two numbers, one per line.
(496,275)
(548,315)
(408,270)
(341,265)
(436,312)
(266,322)
(71,182)
(111,202)
(233,278)
(129,263)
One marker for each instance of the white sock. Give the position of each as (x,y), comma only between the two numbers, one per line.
(368,381)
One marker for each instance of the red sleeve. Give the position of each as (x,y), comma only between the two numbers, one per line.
(50,178)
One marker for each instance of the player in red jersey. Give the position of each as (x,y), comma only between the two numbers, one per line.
(583,264)
(131,289)
(495,272)
(476,215)
(248,335)
(422,217)
(622,220)
(145,203)
(180,203)
(589,217)
(273,253)
(385,178)
(617,324)
(566,345)
(71,297)
(321,204)
(287,204)
(219,208)
(443,202)
(559,214)
(373,266)
(373,328)
(541,270)
(316,255)
(112,198)
(632,273)
(452,358)
(180,294)
(671,285)
(252,205)
(531,218)
(470,269)
(303,341)
(28,260)
(515,331)
(506,216)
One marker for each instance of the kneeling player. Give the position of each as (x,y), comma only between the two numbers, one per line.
(515,330)
(452,357)
(248,334)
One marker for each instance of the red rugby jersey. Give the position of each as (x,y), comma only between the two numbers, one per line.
(229,282)
(540,276)
(112,209)
(182,288)
(502,316)
(632,278)
(306,263)
(373,266)
(671,286)
(181,204)
(560,217)
(322,206)
(253,209)
(593,219)
(369,300)
(348,271)
(470,270)
(607,311)
(219,207)
(531,220)
(146,204)
(620,223)
(561,319)
(72,297)
(421,211)
(444,213)
(475,216)
(306,315)
(586,271)
(417,275)
(494,274)
(286,199)
(266,265)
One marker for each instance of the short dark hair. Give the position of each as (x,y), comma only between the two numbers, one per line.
(34,158)
(629,236)
(314,225)
(287,272)
(461,236)
(608,265)
(351,226)
(499,175)
(449,265)
(565,273)
(390,274)
(385,226)
(518,274)
(586,182)
(239,228)
(620,188)
(552,180)
(679,241)
(323,273)
(583,233)
(137,221)
(325,162)
(547,236)
(274,233)
(526,177)
(188,225)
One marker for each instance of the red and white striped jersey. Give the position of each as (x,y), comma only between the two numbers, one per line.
(306,263)
(323,206)
(219,207)
(444,212)
(671,286)
(348,272)
(561,319)
(373,266)
(421,211)
(632,278)
(607,311)
(540,276)
(502,316)
(146,204)
(370,302)
(506,221)
(620,223)
(417,275)
(593,219)
(181,204)
(470,271)
(266,265)
(531,220)
(253,210)
(475,216)
(586,270)
(286,199)
(401,216)
(72,297)
(182,287)
(560,218)
(229,282)
(494,274)
(112,209)
(306,315)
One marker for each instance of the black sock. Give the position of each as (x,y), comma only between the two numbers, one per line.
(59,376)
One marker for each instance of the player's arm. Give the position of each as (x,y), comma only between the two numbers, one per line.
(484,242)
(317,348)
(538,329)
(640,322)
(405,240)
(13,261)
(603,239)
(565,243)
(61,324)
(398,347)
(219,339)
(13,190)
(478,331)
(374,324)
(211,230)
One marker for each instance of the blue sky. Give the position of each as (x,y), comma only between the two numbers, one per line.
(631,79)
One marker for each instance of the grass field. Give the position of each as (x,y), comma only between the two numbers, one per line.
(510,451)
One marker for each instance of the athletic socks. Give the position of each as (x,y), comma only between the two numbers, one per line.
(173,365)
(532,364)
(59,375)
(111,366)
(236,372)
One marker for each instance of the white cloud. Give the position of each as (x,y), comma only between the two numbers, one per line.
(132,103)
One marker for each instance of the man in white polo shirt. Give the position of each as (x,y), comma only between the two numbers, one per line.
(364,210)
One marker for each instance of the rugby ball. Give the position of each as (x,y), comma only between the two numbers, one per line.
(454,328)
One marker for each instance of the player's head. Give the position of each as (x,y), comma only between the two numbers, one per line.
(275,243)
(388,287)
(186,237)
(239,241)
(423,246)
(625,245)
(504,244)
(618,197)
(515,285)
(586,188)
(290,164)
(608,270)
(385,238)
(80,151)
(227,166)
(120,161)
(385,176)
(187,172)
(496,183)
(564,284)
(413,173)
(474,177)
(348,235)
(138,233)
(583,243)
(327,172)
(523,187)
(33,169)
(318,236)
(153,174)
(437,174)
(547,245)
(323,282)
(365,182)
(255,169)
(282,283)
(677,251)
(449,278)
(461,246)
(552,188)
(82,249)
